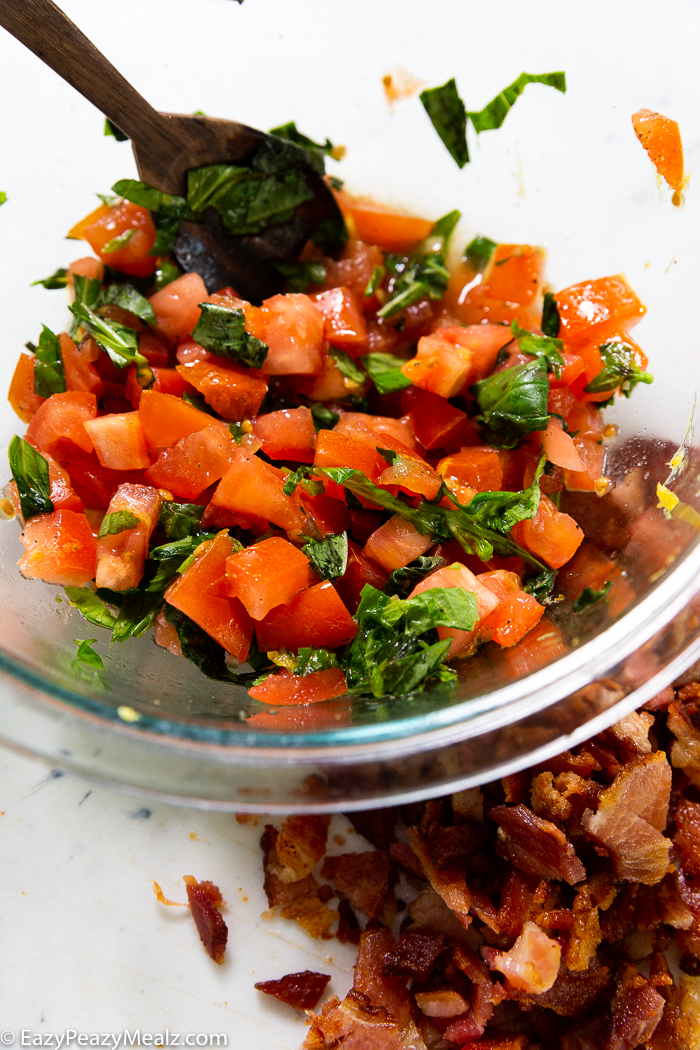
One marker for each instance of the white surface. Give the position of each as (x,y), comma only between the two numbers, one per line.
(84,943)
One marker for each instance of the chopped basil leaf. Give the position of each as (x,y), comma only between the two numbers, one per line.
(310,660)
(500,511)
(589,597)
(449,118)
(137,614)
(31,472)
(513,403)
(540,585)
(118,242)
(402,581)
(336,183)
(303,476)
(385,371)
(117,522)
(493,115)
(3,197)
(248,201)
(88,604)
(114,131)
(290,132)
(375,281)
(181,548)
(166,272)
(439,238)
(324,418)
(328,557)
(88,290)
(58,279)
(542,346)
(619,371)
(301,274)
(346,366)
(130,298)
(478,253)
(197,401)
(179,520)
(168,211)
(202,650)
(551,321)
(237,432)
(221,331)
(117,340)
(423,274)
(87,655)
(49,373)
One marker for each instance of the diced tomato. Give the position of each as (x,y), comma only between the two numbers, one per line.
(132,257)
(266,575)
(63,416)
(458,575)
(589,567)
(561,401)
(439,366)
(287,434)
(85,267)
(119,440)
(329,385)
(121,557)
(59,548)
(585,421)
(539,647)
(360,571)
(165,634)
(400,429)
(77,232)
(201,593)
(661,139)
(92,482)
(433,419)
(294,335)
(315,617)
(396,543)
(510,288)
(476,468)
(166,419)
(330,515)
(165,381)
(177,305)
(412,475)
(343,322)
(550,535)
(353,270)
(336,450)
(375,224)
(574,366)
(284,688)
(620,596)
(592,456)
(61,492)
(21,394)
(194,462)
(516,612)
(559,447)
(363,523)
(591,304)
(80,374)
(234,392)
(253,488)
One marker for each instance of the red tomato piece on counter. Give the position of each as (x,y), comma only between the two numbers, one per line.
(121,557)
(123,237)
(315,617)
(62,416)
(59,548)
(266,575)
(201,593)
(284,688)
(119,441)
(661,138)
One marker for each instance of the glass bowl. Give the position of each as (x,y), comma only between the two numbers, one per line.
(565,172)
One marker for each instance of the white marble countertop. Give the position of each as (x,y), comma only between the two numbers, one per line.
(86,945)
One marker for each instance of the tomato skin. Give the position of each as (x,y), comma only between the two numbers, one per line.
(194,462)
(234,392)
(458,575)
(360,571)
(337,450)
(85,267)
(396,543)
(400,429)
(559,447)
(121,558)
(77,232)
(315,617)
(133,257)
(432,418)
(377,225)
(331,515)
(166,419)
(476,468)
(177,305)
(343,322)
(592,456)
(119,441)
(201,593)
(283,688)
(516,612)
(21,393)
(294,335)
(62,416)
(253,488)
(661,139)
(287,434)
(80,374)
(266,575)
(592,304)
(550,535)
(59,548)
(510,288)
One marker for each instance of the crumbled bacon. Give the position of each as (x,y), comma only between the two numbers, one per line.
(633,729)
(300,845)
(302,990)
(415,953)
(365,879)
(535,845)
(636,1010)
(298,900)
(204,899)
(532,964)
(449,883)
(685,752)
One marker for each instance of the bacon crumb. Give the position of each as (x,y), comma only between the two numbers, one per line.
(302,990)
(204,899)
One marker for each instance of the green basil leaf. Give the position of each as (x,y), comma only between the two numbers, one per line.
(590,597)
(328,557)
(88,290)
(478,253)
(551,321)
(290,132)
(541,585)
(117,522)
(221,331)
(304,476)
(94,609)
(346,366)
(438,240)
(324,418)
(423,274)
(378,274)
(449,118)
(493,115)
(178,520)
(87,655)
(31,472)
(619,371)
(502,510)
(120,241)
(542,346)
(3,197)
(385,371)
(437,607)
(166,272)
(114,131)
(202,650)
(310,660)
(58,279)
(301,274)
(168,211)
(129,298)
(117,340)
(402,581)
(248,201)
(513,403)
(137,614)
(49,372)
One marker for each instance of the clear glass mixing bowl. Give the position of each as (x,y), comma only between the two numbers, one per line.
(565,172)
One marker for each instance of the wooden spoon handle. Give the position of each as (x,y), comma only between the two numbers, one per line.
(50,34)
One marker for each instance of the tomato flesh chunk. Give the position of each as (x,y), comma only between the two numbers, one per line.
(266,575)
(287,434)
(591,304)
(315,617)
(343,322)
(166,419)
(119,441)
(177,306)
(458,575)
(551,535)
(284,688)
(59,548)
(121,557)
(234,392)
(294,335)
(396,543)
(63,416)
(128,221)
(194,463)
(433,419)
(477,468)
(21,393)
(251,487)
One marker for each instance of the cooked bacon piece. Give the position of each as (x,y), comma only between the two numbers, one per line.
(634,730)
(561,797)
(572,994)
(302,990)
(204,897)
(534,845)
(415,953)
(636,1011)
(685,753)
(673,1031)
(365,879)
(532,964)
(586,935)
(687,837)
(376,825)
(476,970)
(441,1003)
(465,1028)
(455,844)
(300,845)
(299,900)
(376,945)
(348,931)
(582,763)
(402,853)
(450,883)
(630,817)
(356,1024)
(430,911)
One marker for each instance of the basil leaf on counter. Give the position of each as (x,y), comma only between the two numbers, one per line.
(513,403)
(619,370)
(328,557)
(31,472)
(448,116)
(492,116)
(385,371)
(221,331)
(117,522)
(58,279)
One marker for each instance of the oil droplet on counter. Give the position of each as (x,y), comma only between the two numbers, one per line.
(677,198)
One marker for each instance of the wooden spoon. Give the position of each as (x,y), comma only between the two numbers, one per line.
(167,145)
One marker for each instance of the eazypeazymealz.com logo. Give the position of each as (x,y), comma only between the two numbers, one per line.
(114,1040)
